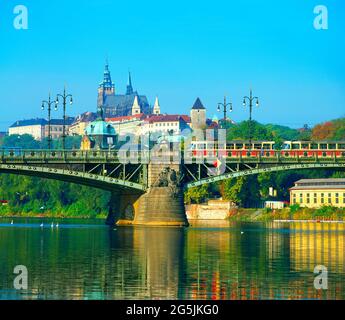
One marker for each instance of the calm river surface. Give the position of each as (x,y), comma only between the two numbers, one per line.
(213,260)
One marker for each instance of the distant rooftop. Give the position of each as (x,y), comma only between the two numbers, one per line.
(167,118)
(139,116)
(318,181)
(59,122)
(41,122)
(313,184)
(86,117)
(29,122)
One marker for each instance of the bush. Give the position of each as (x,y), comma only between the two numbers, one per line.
(294,208)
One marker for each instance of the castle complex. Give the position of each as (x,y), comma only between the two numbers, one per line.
(119,105)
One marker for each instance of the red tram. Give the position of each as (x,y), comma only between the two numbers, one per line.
(240,148)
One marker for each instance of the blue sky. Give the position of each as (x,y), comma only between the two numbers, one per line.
(178,50)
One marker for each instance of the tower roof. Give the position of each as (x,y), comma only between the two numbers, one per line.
(198,105)
(156,105)
(107,83)
(129,90)
(136,102)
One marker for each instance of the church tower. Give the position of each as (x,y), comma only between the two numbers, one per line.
(106,87)
(156,107)
(136,106)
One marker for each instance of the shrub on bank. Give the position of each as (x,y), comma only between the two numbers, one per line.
(295,212)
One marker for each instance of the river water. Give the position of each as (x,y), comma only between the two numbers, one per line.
(84,259)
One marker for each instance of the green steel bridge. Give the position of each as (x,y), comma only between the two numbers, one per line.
(114,170)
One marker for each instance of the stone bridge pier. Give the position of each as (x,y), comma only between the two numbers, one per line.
(161,205)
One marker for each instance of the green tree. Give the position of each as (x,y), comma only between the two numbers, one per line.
(197,194)
(244,191)
(24,141)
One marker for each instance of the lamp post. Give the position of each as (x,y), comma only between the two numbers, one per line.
(64,97)
(49,104)
(250,99)
(224,105)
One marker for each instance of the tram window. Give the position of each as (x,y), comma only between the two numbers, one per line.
(332,146)
(247,146)
(341,146)
(305,145)
(239,145)
(323,146)
(266,146)
(230,146)
(314,146)
(257,146)
(295,146)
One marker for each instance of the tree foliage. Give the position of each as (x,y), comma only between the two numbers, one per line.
(38,196)
(330,130)
(197,194)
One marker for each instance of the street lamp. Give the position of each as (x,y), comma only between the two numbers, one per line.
(64,97)
(224,105)
(250,99)
(49,104)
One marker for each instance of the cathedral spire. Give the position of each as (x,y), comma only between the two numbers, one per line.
(107,83)
(129,90)
(106,87)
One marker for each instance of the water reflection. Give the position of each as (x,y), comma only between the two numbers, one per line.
(210,260)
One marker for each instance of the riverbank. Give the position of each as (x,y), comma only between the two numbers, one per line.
(50,215)
(289,214)
(293,213)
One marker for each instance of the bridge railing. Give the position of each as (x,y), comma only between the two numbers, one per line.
(118,156)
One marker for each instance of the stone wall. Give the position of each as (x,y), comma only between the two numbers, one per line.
(213,210)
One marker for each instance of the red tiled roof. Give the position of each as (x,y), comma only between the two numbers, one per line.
(186,118)
(136,116)
(167,118)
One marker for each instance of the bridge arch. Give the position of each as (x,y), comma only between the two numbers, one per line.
(67,175)
(242,173)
